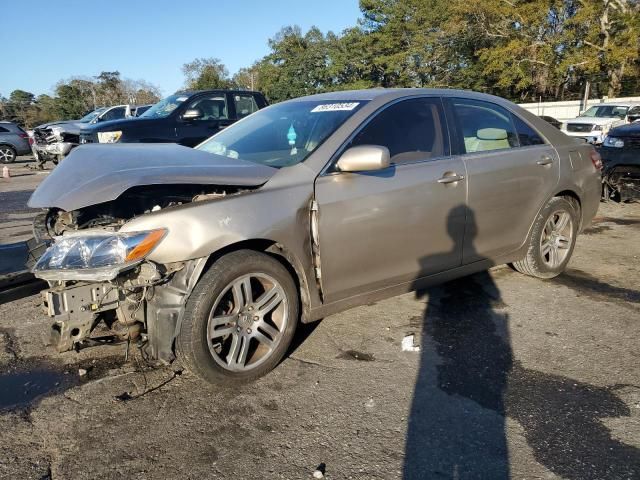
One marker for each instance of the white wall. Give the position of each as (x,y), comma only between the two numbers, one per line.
(569,109)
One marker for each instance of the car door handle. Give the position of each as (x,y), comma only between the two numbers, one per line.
(451,178)
(545,161)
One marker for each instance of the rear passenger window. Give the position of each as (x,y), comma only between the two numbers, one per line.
(527,135)
(484,126)
(412,130)
(3,130)
(245,105)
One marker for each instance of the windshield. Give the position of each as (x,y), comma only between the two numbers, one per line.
(606,111)
(281,135)
(93,115)
(165,106)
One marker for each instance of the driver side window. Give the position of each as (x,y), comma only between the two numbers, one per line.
(213,107)
(412,130)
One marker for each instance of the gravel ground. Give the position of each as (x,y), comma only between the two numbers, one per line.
(515,378)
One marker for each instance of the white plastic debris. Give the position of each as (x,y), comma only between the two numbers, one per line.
(370,403)
(408,344)
(318,474)
(82,372)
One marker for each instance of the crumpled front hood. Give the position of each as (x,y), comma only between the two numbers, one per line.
(93,174)
(62,123)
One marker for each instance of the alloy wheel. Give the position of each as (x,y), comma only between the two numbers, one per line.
(556,238)
(247,322)
(7,155)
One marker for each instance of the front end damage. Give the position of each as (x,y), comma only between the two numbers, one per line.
(109,280)
(101,291)
(621,183)
(53,143)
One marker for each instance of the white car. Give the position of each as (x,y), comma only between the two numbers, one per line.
(594,123)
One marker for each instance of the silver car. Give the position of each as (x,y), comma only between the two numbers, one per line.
(301,210)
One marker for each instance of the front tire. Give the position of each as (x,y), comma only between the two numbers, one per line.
(240,319)
(7,154)
(552,239)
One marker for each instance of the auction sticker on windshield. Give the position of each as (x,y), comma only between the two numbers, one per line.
(335,107)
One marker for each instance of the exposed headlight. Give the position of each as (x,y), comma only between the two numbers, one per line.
(109,137)
(597,128)
(56,130)
(614,142)
(96,256)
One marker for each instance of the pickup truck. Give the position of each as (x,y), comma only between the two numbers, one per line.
(186,118)
(52,141)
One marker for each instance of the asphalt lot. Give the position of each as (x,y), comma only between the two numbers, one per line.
(515,378)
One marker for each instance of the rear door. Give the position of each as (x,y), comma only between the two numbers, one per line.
(392,226)
(244,104)
(511,173)
(215,116)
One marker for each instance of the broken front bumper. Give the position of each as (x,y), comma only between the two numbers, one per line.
(52,149)
(74,311)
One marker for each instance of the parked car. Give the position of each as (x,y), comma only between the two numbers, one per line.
(552,121)
(302,210)
(53,141)
(594,123)
(621,158)
(140,109)
(14,141)
(186,118)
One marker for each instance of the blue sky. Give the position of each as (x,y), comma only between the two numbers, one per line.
(45,41)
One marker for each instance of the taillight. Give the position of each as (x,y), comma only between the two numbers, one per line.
(23,135)
(31,141)
(596,159)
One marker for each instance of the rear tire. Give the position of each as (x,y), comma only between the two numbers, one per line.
(7,154)
(552,239)
(239,320)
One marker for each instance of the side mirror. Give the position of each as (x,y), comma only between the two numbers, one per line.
(364,158)
(192,114)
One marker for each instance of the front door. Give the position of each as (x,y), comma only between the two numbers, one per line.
(511,173)
(215,116)
(388,227)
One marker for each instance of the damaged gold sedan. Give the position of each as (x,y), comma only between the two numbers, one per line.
(301,210)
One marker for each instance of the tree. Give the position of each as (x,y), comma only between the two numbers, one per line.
(605,34)
(297,64)
(206,73)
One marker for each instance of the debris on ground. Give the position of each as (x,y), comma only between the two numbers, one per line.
(319,471)
(408,344)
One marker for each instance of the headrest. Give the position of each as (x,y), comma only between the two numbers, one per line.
(492,134)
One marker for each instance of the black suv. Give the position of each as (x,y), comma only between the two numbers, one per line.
(186,118)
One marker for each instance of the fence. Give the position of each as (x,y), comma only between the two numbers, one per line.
(569,109)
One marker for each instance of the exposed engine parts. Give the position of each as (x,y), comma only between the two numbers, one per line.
(52,143)
(136,201)
(146,297)
(621,183)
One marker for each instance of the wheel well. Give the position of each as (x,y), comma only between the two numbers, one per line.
(573,198)
(279,253)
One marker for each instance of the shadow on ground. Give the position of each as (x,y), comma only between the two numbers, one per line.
(469,383)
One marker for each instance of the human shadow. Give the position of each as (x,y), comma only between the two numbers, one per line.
(456,426)
(469,383)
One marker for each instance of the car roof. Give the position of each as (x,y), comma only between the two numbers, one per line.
(215,90)
(387,94)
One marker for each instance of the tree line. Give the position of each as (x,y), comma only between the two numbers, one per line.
(523,50)
(75,97)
